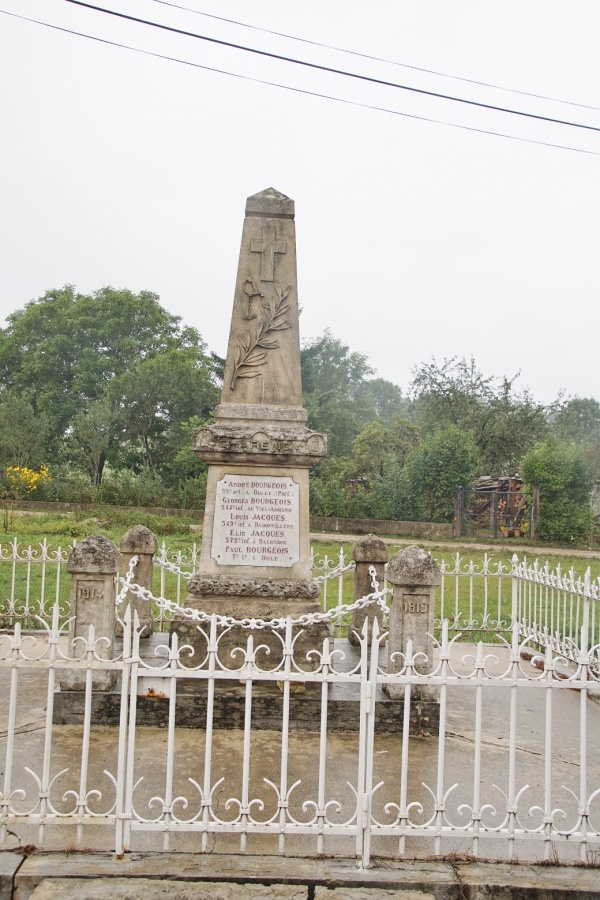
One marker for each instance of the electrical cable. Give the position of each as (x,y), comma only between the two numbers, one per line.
(296,90)
(331,70)
(390,62)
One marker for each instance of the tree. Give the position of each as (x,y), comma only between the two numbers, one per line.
(434,472)
(331,375)
(66,348)
(153,399)
(384,400)
(504,424)
(93,433)
(564,481)
(329,487)
(338,394)
(22,430)
(578,419)
(378,447)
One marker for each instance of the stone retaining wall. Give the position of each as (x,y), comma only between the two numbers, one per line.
(442,530)
(55,506)
(331,524)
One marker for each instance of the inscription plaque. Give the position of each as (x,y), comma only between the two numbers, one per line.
(257,521)
(415,606)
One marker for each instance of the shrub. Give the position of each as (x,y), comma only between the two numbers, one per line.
(434,472)
(564,481)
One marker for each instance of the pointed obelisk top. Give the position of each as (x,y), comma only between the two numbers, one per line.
(263,356)
(271,204)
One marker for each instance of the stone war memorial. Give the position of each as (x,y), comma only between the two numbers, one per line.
(254,574)
(264,724)
(255,560)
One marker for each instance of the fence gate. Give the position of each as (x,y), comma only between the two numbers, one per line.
(237,785)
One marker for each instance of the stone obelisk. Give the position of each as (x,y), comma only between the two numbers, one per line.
(255,560)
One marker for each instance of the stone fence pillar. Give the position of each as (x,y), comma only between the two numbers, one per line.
(368,551)
(413,575)
(138,541)
(93,566)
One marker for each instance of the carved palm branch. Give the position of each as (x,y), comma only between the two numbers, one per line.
(250,353)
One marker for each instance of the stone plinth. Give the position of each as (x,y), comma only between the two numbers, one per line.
(413,575)
(255,558)
(228,709)
(93,566)
(368,551)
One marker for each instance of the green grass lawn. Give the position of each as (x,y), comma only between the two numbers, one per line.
(468,595)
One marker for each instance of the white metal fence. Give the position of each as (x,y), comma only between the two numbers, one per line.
(514,772)
(33,580)
(479,599)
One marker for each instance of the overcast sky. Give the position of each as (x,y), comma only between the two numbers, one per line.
(415,239)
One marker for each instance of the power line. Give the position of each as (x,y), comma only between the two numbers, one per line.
(330,70)
(296,90)
(390,62)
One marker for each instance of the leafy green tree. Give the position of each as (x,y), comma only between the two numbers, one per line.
(578,419)
(339,394)
(22,430)
(331,377)
(92,435)
(381,446)
(434,472)
(66,347)
(153,399)
(564,481)
(505,424)
(384,400)
(372,450)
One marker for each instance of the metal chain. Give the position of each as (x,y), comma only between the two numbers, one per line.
(175,570)
(376,597)
(127,581)
(171,567)
(334,572)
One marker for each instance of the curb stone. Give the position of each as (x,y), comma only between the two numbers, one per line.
(154,876)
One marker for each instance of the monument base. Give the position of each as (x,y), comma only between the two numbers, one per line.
(268,642)
(229,703)
(420,693)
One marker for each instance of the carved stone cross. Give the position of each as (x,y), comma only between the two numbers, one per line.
(268,247)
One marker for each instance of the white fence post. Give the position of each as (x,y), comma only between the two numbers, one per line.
(514,589)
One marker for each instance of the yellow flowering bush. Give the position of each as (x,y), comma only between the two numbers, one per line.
(23,480)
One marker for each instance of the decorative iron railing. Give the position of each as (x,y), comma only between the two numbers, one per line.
(479,599)
(503,778)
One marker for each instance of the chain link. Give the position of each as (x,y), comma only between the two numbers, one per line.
(376,597)
(171,567)
(127,581)
(334,573)
(175,570)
